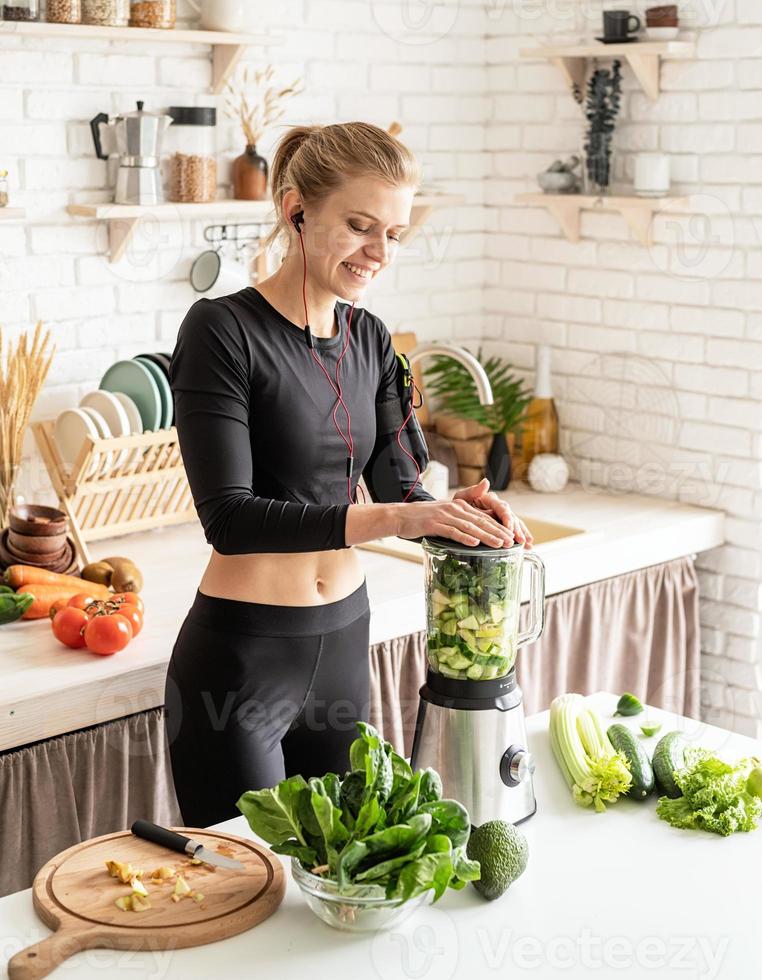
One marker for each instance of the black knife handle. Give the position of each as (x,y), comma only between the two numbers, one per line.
(160,835)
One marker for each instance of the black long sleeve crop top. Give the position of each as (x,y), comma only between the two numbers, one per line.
(265,463)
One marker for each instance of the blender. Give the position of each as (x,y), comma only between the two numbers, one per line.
(470,725)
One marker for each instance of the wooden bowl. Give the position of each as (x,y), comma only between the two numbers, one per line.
(64,562)
(29,558)
(38,520)
(36,544)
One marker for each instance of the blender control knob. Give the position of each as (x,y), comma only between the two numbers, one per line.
(516,765)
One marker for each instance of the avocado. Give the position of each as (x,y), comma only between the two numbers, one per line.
(502,851)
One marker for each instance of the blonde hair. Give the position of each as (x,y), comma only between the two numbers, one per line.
(316,160)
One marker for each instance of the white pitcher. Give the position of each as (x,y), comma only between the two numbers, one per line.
(225,15)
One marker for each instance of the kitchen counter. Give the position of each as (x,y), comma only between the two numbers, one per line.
(614,894)
(48,690)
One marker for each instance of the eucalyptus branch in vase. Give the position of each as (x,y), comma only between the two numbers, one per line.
(604,93)
(452,386)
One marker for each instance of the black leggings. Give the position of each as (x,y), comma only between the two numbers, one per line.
(255,693)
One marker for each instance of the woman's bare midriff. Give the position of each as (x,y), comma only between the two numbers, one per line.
(309,578)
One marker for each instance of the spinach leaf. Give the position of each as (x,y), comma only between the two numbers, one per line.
(465,868)
(401,771)
(332,785)
(272,813)
(449,817)
(431,786)
(348,860)
(433,870)
(352,790)
(405,802)
(387,867)
(292,848)
(367,818)
(368,752)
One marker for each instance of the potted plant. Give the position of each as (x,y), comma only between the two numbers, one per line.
(451,384)
(250,170)
(604,92)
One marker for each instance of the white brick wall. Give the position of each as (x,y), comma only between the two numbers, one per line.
(359,61)
(683,314)
(679,323)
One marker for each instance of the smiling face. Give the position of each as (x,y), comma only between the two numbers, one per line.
(353,234)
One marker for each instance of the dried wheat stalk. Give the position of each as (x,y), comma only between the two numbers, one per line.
(266,105)
(23,370)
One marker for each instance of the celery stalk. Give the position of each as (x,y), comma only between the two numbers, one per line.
(595,773)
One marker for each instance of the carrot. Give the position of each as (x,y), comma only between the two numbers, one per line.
(45,595)
(18,575)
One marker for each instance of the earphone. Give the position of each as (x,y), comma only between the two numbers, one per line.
(297,219)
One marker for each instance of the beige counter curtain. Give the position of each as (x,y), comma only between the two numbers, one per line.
(637,632)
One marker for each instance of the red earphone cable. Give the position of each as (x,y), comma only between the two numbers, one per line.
(349,442)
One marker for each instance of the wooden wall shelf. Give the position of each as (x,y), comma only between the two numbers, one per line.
(123,219)
(227,47)
(643,57)
(638,212)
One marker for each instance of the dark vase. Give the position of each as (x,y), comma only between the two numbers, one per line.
(499,463)
(250,176)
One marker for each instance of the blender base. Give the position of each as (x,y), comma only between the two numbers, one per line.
(473,733)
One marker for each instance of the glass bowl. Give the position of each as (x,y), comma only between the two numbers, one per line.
(367,911)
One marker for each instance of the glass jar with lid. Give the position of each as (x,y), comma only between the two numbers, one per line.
(63,11)
(108,13)
(3,188)
(193,163)
(153,13)
(20,10)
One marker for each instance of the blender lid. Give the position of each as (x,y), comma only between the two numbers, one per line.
(193,115)
(467,549)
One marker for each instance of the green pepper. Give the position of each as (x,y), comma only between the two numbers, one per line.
(13,607)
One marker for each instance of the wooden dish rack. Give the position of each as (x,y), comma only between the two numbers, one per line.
(147,489)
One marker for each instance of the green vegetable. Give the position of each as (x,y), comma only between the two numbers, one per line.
(13,605)
(628,704)
(382,830)
(715,795)
(7,590)
(649,730)
(594,771)
(669,755)
(754,782)
(502,852)
(473,613)
(639,764)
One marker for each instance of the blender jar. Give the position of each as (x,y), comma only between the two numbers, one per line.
(473,598)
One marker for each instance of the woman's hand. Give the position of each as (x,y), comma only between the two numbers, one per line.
(482,497)
(456,519)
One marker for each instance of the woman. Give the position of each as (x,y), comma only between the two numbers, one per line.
(270,670)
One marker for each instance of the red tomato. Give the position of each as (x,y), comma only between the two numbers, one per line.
(132,597)
(82,600)
(133,614)
(57,606)
(107,634)
(68,626)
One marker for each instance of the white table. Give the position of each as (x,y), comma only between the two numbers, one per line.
(606,895)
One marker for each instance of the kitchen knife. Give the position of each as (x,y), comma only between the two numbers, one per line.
(178,842)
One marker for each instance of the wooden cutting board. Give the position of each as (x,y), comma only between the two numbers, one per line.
(74,894)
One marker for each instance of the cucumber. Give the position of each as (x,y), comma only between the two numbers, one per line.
(669,755)
(625,742)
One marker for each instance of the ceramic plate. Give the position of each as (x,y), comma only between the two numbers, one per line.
(135,423)
(165,392)
(160,360)
(111,410)
(134,379)
(73,426)
(106,459)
